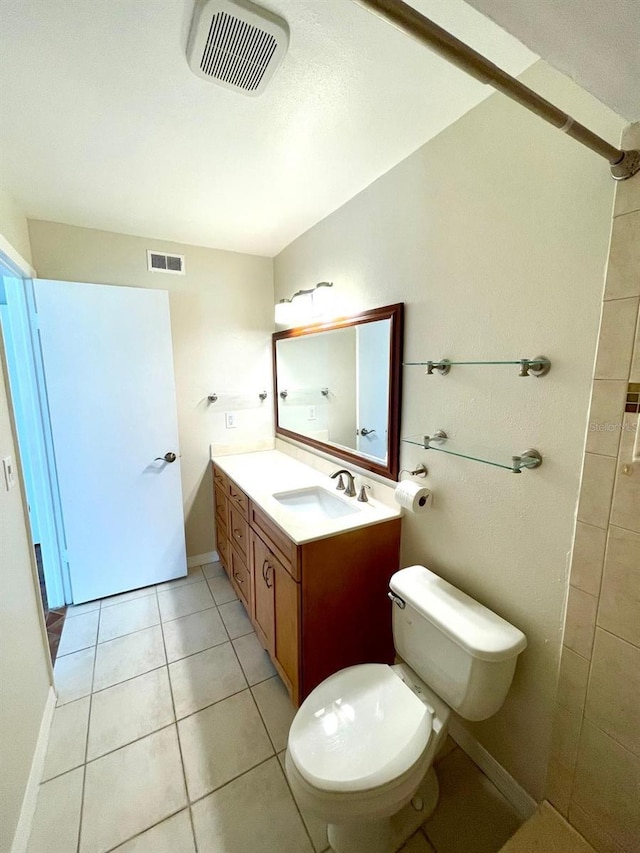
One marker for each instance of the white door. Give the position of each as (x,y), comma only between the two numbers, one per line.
(373,347)
(109,378)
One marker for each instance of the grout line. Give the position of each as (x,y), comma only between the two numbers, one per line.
(234,779)
(86,743)
(142,831)
(175,723)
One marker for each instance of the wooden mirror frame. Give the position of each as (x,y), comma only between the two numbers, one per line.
(395,313)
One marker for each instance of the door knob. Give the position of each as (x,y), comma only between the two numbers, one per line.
(365,431)
(168,457)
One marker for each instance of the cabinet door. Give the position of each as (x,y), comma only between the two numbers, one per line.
(240,578)
(287,626)
(238,530)
(263,592)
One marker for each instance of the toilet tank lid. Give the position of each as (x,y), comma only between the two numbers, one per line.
(478,630)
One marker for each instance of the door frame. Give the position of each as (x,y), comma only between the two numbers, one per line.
(32,426)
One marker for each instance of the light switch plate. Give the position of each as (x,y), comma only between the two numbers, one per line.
(230,420)
(9,472)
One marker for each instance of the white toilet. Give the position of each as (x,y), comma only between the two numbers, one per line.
(363,742)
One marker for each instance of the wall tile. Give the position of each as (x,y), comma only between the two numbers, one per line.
(625,510)
(598,474)
(580,622)
(606,786)
(572,680)
(615,343)
(565,737)
(634,374)
(605,416)
(628,192)
(623,268)
(619,609)
(558,786)
(588,557)
(613,698)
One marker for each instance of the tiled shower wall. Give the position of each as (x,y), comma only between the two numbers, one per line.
(594,770)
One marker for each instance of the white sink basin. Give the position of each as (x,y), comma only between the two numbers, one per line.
(314,502)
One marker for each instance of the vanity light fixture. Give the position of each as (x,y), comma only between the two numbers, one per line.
(304,305)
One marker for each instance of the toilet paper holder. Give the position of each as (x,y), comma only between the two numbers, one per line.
(420,471)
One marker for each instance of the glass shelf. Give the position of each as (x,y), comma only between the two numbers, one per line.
(515,464)
(538,366)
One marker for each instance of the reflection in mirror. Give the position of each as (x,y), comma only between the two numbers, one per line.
(335,385)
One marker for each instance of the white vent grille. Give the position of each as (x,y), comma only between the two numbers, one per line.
(160,262)
(237,52)
(236,44)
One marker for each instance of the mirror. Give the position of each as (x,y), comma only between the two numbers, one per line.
(338,387)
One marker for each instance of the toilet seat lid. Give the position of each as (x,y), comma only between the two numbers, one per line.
(361,728)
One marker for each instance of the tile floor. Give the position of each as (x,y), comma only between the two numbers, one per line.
(169,737)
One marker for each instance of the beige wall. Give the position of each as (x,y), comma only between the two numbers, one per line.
(24,658)
(13,224)
(495,236)
(221,320)
(594,772)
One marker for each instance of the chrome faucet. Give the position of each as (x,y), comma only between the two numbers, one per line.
(350,490)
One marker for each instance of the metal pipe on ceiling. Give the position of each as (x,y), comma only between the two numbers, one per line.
(623,164)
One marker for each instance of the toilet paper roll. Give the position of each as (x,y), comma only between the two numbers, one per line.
(413,497)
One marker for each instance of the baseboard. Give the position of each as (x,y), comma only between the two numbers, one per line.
(522,802)
(202,559)
(23,829)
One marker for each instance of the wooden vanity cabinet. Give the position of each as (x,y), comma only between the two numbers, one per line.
(316,607)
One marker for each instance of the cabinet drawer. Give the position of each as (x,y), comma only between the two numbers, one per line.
(221,506)
(223,548)
(238,498)
(282,547)
(240,578)
(221,480)
(238,530)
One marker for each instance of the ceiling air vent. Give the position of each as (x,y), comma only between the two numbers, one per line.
(236,44)
(160,262)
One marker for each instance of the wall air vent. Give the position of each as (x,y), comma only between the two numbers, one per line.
(236,44)
(161,262)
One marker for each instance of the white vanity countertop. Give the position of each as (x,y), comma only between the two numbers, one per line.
(265,473)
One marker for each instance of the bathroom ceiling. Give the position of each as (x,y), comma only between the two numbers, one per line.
(105,126)
(595,43)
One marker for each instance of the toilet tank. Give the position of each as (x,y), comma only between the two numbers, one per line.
(461,649)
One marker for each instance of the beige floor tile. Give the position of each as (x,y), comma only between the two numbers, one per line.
(254,660)
(606,786)
(184,600)
(213,570)
(130,790)
(221,590)
(205,678)
(128,617)
(316,827)
(57,815)
(276,709)
(252,814)
(67,738)
(222,742)
(235,619)
(129,656)
(173,835)
(471,816)
(128,711)
(193,633)
(619,608)
(194,575)
(73,675)
(79,609)
(79,633)
(546,832)
(131,595)
(615,672)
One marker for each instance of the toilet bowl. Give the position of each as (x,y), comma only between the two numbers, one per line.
(364,740)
